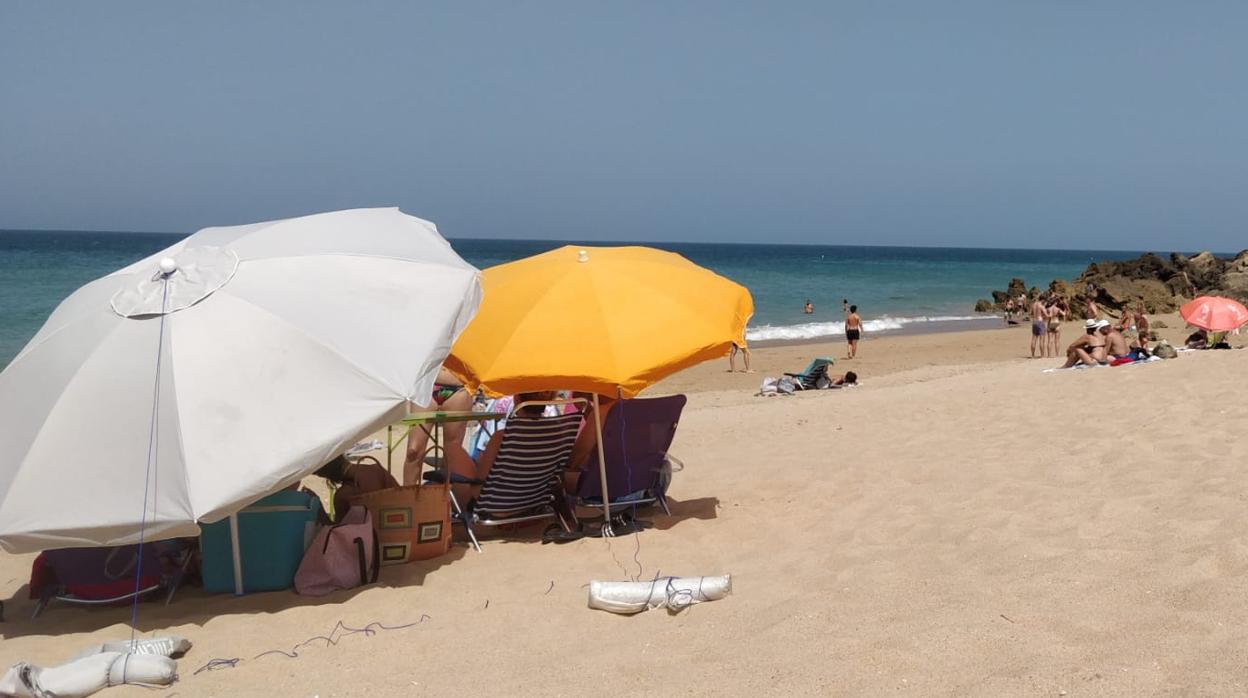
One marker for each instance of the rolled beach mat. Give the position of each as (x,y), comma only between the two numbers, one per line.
(673,593)
(85,676)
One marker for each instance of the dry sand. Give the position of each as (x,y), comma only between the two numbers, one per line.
(962,524)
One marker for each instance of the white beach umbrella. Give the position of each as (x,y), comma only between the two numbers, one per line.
(219,370)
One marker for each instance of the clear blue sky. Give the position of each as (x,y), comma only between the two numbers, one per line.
(1023,124)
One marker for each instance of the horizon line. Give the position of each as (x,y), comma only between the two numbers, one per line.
(676,242)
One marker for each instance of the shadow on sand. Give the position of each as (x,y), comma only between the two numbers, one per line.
(191,605)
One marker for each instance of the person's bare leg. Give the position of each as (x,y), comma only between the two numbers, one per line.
(1086,358)
(414,461)
(453,432)
(1073,356)
(459,463)
(745,359)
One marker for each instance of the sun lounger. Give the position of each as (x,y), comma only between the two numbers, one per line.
(815,372)
(525,482)
(635,440)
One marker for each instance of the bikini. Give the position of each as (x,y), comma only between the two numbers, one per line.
(442,393)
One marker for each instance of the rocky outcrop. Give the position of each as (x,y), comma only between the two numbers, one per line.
(1163,284)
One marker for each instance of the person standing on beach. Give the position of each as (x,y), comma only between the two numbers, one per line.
(1039,327)
(745,358)
(853,327)
(1091,309)
(1056,314)
(1141,324)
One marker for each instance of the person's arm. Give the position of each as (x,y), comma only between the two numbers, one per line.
(587,440)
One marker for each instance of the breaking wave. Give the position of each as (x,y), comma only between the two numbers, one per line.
(811,330)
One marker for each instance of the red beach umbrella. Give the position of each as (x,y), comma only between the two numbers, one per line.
(1215,314)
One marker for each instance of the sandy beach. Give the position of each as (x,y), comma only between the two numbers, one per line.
(961,524)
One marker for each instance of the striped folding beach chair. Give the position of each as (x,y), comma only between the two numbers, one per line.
(525,483)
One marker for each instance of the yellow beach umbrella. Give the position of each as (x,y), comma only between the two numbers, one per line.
(597,319)
(604,320)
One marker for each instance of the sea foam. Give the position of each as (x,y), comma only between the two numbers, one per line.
(812,330)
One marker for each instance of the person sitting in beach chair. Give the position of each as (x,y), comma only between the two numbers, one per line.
(635,439)
(518,477)
(815,376)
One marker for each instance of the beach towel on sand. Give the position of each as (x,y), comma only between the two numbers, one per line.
(773,386)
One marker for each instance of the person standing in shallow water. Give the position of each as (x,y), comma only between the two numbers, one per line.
(809,308)
(853,327)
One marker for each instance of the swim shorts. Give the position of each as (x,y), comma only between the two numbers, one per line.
(1038,328)
(852,335)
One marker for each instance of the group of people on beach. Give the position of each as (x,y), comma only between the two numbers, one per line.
(1102,341)
(1048,312)
(1103,344)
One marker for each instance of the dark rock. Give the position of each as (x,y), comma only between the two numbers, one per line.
(984,306)
(1016,288)
(1163,284)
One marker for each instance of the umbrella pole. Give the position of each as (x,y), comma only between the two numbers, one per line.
(602,471)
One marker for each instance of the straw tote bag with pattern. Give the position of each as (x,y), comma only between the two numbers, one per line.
(413,521)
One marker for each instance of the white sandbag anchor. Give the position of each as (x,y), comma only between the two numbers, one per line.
(672,593)
(98,667)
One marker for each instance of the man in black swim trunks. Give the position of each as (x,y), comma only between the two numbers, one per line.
(853,327)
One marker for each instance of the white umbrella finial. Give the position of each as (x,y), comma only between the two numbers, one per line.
(582,256)
(168,265)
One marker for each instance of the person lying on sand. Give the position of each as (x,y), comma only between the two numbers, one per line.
(850,378)
(1089,349)
(352,479)
(1198,340)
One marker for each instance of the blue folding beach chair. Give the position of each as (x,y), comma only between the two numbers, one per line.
(815,373)
(635,441)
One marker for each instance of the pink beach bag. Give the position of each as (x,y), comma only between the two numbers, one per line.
(342,556)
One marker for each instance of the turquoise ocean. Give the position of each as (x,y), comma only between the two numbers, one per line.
(915,288)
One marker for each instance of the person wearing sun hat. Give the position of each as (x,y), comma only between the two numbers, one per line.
(1089,348)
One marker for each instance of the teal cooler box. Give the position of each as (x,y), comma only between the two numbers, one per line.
(259,548)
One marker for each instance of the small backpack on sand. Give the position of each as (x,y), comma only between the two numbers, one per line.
(1165,351)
